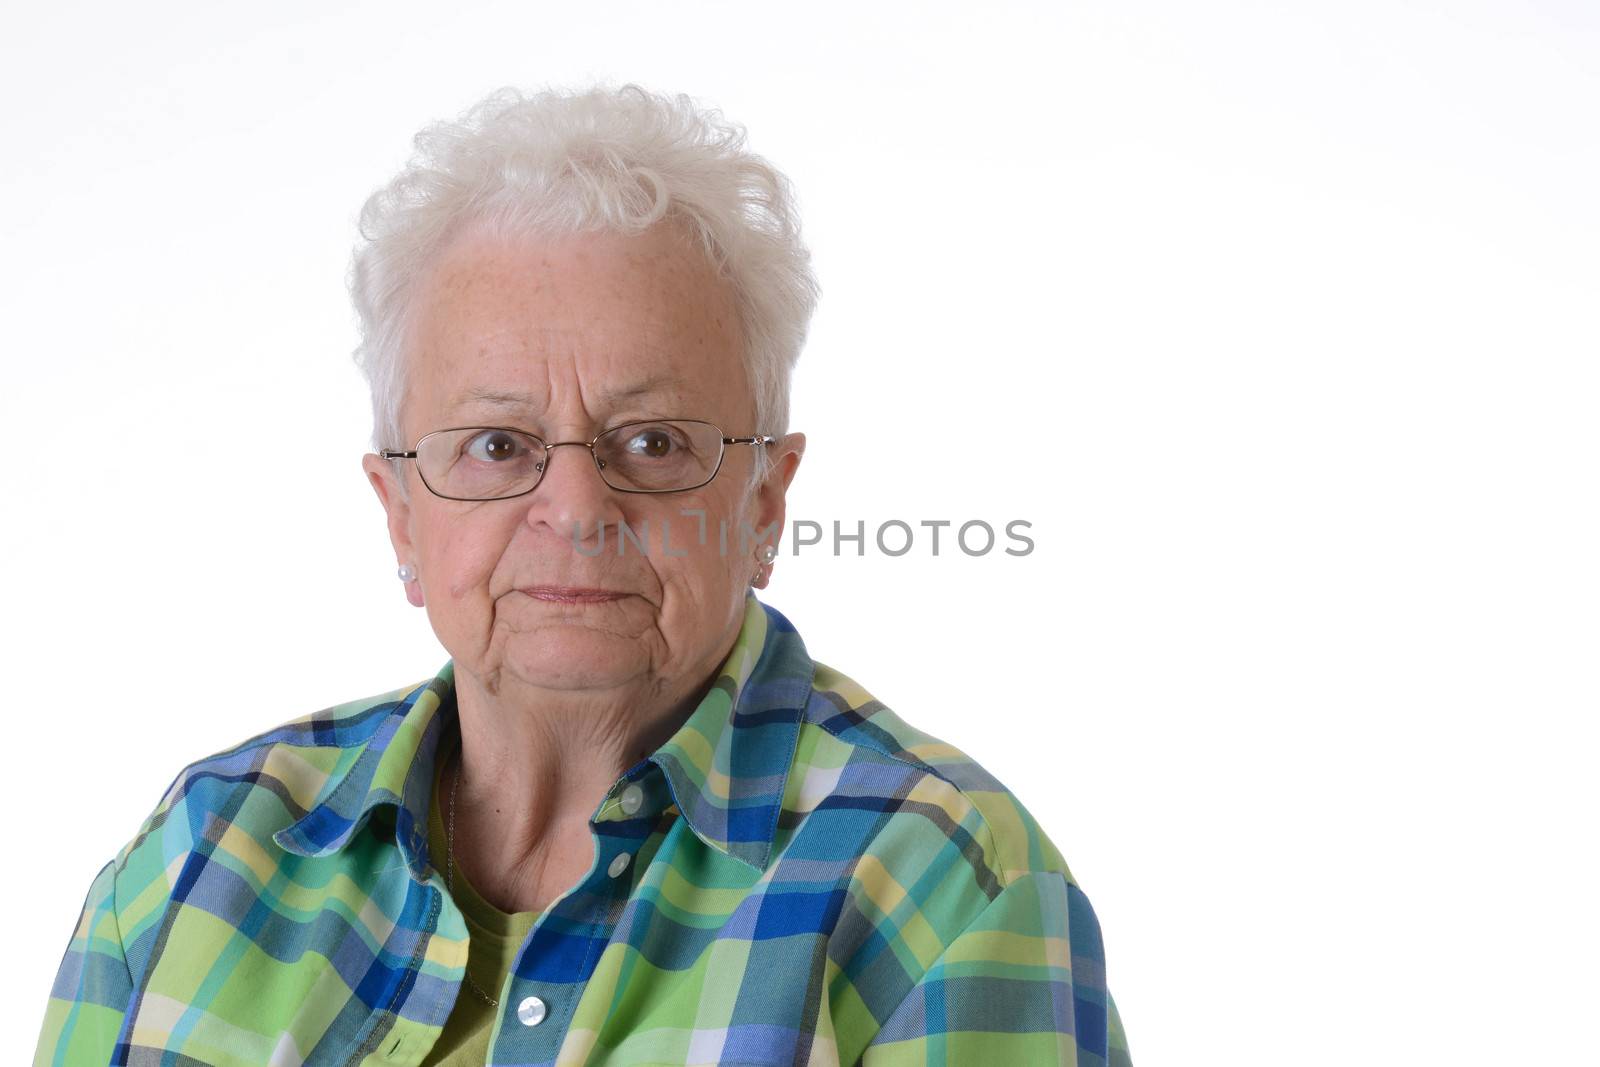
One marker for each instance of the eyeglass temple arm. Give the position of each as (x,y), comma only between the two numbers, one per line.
(389,453)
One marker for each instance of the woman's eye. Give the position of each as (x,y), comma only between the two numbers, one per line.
(493,446)
(651,444)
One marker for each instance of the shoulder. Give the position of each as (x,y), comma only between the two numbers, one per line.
(931,802)
(941,881)
(295,761)
(231,801)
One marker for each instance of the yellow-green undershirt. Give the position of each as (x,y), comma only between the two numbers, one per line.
(494,938)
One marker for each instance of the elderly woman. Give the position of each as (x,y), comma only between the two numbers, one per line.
(630,821)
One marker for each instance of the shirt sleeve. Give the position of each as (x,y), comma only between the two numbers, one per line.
(1023,983)
(92,986)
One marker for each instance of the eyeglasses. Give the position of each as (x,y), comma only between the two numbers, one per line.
(497,462)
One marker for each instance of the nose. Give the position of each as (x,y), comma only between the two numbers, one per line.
(571,497)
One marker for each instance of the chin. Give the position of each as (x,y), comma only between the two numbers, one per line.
(574,658)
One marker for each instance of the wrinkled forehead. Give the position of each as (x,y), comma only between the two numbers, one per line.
(592,329)
(564,374)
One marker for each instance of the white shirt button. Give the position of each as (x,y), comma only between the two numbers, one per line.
(531,1011)
(632,799)
(619,863)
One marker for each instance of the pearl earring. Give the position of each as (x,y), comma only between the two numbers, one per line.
(766,554)
(407,572)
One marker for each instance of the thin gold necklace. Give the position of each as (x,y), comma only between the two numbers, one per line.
(450,865)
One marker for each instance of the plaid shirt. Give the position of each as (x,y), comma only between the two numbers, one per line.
(810,881)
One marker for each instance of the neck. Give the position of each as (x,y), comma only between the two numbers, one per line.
(532,770)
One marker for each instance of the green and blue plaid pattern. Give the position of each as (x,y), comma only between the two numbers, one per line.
(811,881)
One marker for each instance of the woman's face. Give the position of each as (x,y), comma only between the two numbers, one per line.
(564,338)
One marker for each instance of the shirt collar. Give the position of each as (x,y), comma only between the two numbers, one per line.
(729,762)
(726,766)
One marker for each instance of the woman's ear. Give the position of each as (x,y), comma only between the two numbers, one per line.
(397,509)
(771,496)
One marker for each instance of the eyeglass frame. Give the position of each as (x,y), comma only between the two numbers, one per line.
(722,454)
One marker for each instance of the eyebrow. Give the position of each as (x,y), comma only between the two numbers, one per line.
(529,400)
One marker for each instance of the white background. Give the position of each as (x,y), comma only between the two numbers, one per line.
(1277,322)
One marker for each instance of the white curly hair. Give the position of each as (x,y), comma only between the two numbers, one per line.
(561,162)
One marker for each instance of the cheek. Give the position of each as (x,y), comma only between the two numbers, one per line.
(706,536)
(463,555)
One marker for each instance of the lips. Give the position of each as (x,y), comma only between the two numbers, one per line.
(565,594)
